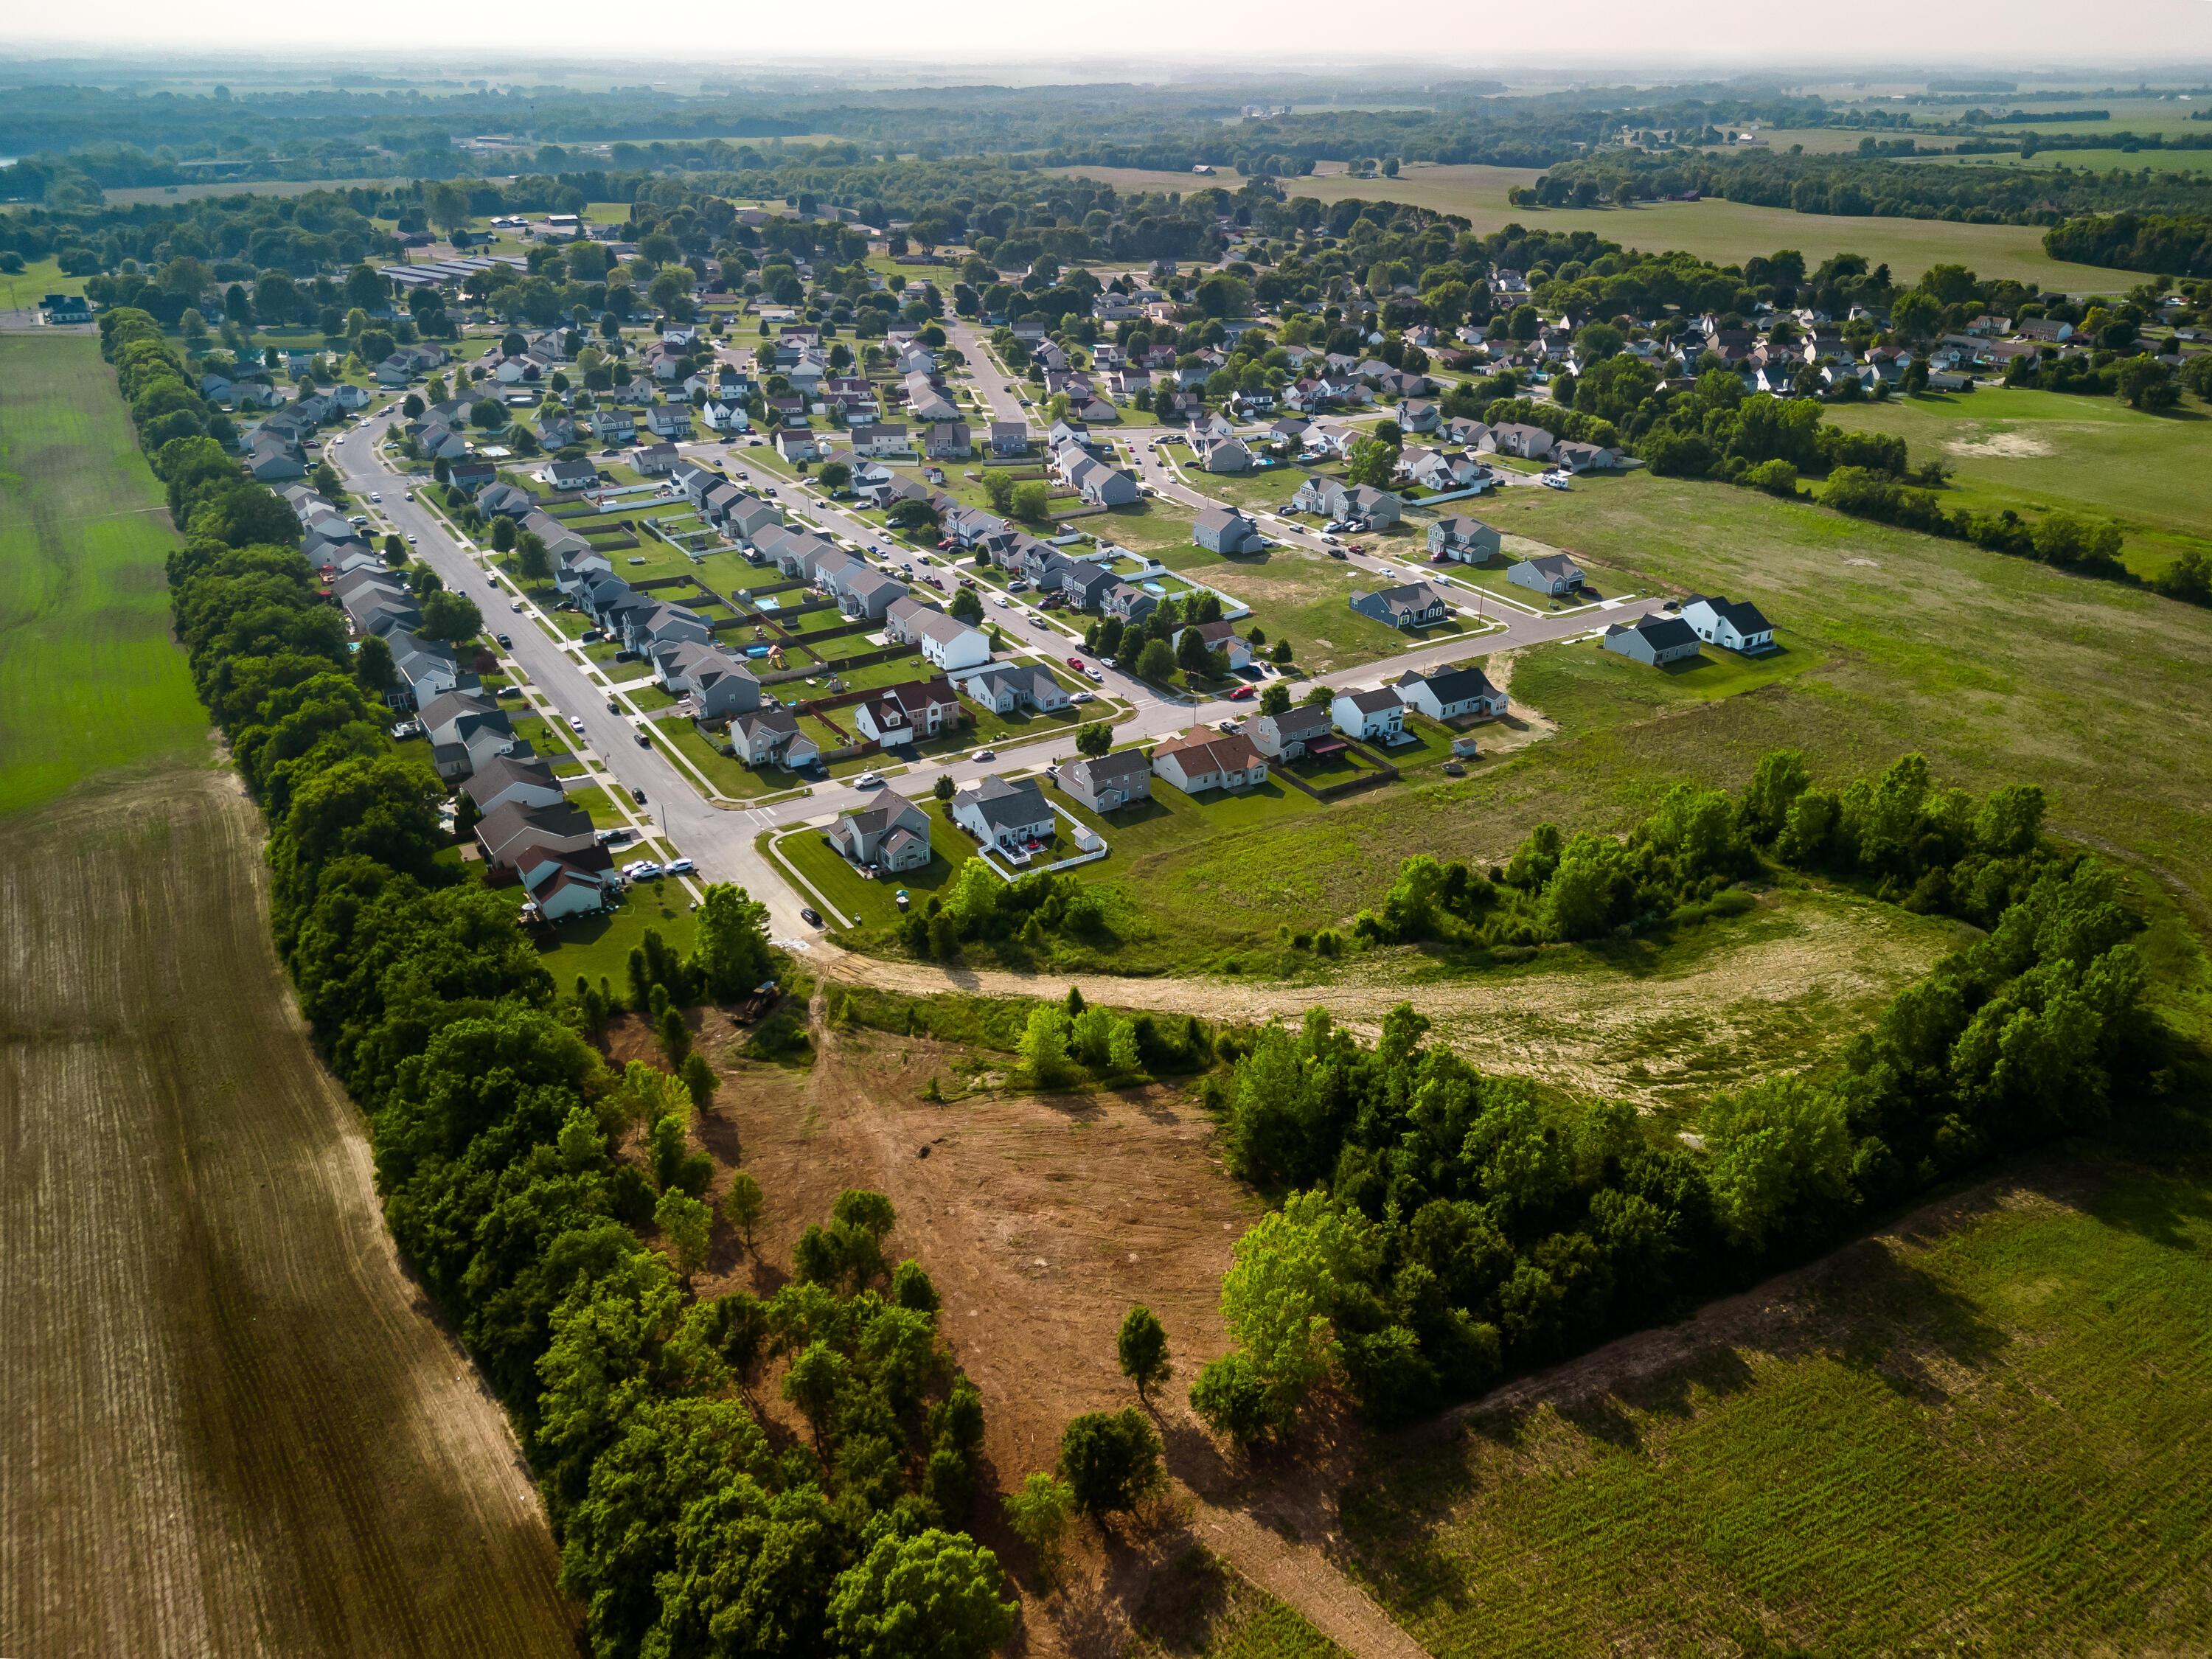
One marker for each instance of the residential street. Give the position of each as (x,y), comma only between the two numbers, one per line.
(720,838)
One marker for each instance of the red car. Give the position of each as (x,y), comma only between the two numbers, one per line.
(1075,663)
(1242,694)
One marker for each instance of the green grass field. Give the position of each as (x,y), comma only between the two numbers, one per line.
(36,278)
(2152,474)
(1726,232)
(1988,1435)
(89,681)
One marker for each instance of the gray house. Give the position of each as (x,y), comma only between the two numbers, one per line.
(1224,529)
(1467,540)
(1552,575)
(1015,686)
(1110,781)
(1285,737)
(893,835)
(1655,641)
(1409,605)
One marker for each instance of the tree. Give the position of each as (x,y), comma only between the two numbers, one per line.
(675,1035)
(1156,662)
(944,786)
(742,1205)
(933,1596)
(699,1080)
(1110,1460)
(914,515)
(1038,1513)
(815,1383)
(732,955)
(1032,501)
(1095,738)
(395,551)
(1291,1280)
(999,489)
(967,604)
(1142,1347)
(1274,698)
(1044,1045)
(372,666)
(1771,1148)
(451,616)
(834,475)
(1372,463)
(1192,656)
(687,1226)
(502,534)
(531,558)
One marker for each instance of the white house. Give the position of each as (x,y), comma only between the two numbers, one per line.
(1735,624)
(1375,714)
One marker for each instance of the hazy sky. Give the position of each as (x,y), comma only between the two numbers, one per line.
(1084,41)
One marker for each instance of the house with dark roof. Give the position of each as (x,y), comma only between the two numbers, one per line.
(1409,605)
(1552,574)
(1380,713)
(1654,641)
(1734,624)
(898,715)
(1465,540)
(505,778)
(770,735)
(1443,694)
(1004,812)
(1105,783)
(1289,736)
(718,683)
(891,835)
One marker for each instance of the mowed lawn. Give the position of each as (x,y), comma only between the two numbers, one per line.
(1725,232)
(2036,451)
(89,681)
(1988,1433)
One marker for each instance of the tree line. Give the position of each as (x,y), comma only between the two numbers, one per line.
(1440,1227)
(521,1175)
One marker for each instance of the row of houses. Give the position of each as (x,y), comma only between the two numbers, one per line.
(1659,639)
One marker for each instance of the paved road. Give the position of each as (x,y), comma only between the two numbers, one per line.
(721,839)
(985,371)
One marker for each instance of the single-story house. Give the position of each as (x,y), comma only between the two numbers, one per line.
(1444,694)
(1203,758)
(1654,641)
(575,473)
(1551,574)
(1003,813)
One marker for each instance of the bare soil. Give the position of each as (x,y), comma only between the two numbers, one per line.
(230,1428)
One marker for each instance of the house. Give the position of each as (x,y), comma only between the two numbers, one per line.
(1102,485)
(1223,454)
(506,500)
(504,778)
(868,593)
(655,460)
(1380,713)
(1109,782)
(881,438)
(949,644)
(1224,530)
(512,831)
(1584,458)
(1419,415)
(1551,573)
(1444,694)
(575,474)
(656,622)
(1218,637)
(1409,605)
(796,444)
(559,889)
(901,715)
(670,420)
(1010,688)
(613,426)
(1010,440)
(1287,735)
(770,735)
(428,669)
(1332,498)
(1004,812)
(1085,583)
(1735,624)
(892,834)
(1655,641)
(947,440)
(718,683)
(1529,443)
(1468,541)
(1203,758)
(1126,602)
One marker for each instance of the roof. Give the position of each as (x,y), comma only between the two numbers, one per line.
(1006,803)
(502,770)
(1373,702)
(1204,749)
(1220,518)
(1299,718)
(1462,683)
(888,812)
(1740,614)
(1552,564)
(769,717)
(503,827)
(1462,527)
(1661,631)
(1121,763)
(1412,596)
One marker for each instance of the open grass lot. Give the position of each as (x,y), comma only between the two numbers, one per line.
(2000,669)
(38,278)
(1300,596)
(600,945)
(89,678)
(2095,160)
(231,1428)
(1983,1433)
(1726,232)
(1200,1607)
(2152,474)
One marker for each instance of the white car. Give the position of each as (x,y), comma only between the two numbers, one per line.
(576,724)
(1555,480)
(869,780)
(374,496)
(985,755)
(643,870)
(999,600)
(681,867)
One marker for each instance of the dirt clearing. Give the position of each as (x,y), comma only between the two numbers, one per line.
(231,1427)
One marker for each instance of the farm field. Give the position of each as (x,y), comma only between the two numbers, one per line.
(231,1428)
(1985,1430)
(2152,474)
(89,680)
(1723,231)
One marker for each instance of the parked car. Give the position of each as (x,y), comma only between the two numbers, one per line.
(507,641)
(869,780)
(985,755)
(374,496)
(806,915)
(408,496)
(614,705)
(516,607)
(1243,694)
(1075,663)
(681,867)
